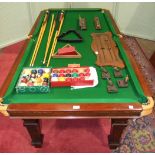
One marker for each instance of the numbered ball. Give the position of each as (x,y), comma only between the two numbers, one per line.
(39,80)
(45,80)
(24,80)
(46,75)
(40,71)
(33,75)
(34,71)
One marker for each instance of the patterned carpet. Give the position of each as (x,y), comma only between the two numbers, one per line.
(139,135)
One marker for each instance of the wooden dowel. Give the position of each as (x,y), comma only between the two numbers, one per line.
(49,37)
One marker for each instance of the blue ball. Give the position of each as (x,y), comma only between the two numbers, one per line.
(34,71)
(55,75)
(40,71)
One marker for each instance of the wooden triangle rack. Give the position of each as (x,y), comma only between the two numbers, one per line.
(67,51)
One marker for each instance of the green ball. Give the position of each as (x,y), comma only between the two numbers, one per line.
(75,75)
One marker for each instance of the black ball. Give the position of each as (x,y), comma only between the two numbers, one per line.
(45,79)
(68,75)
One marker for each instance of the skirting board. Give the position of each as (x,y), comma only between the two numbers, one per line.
(138,35)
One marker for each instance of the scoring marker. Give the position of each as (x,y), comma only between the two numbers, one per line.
(130,106)
(76,107)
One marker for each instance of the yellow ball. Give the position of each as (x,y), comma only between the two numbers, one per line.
(61,79)
(46,75)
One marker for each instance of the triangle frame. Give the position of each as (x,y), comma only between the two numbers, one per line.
(61,37)
(78,55)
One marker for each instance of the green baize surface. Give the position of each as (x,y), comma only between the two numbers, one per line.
(96,94)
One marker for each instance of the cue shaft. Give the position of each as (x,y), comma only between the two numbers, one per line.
(39,40)
(55,41)
(36,47)
(53,23)
(53,47)
(42,33)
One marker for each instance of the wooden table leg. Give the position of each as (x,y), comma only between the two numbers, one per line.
(34,130)
(117,127)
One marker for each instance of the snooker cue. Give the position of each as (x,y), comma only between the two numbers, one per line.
(36,47)
(49,37)
(39,39)
(42,33)
(55,38)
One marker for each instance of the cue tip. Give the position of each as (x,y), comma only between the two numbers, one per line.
(120,35)
(47,11)
(1,100)
(29,36)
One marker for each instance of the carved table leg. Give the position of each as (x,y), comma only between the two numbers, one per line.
(34,130)
(117,127)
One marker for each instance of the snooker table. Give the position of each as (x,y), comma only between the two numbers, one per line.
(62,102)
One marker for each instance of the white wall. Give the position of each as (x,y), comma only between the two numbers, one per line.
(104,5)
(37,7)
(14,22)
(16,19)
(135,19)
